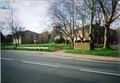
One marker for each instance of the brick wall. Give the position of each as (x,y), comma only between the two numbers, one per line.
(83,46)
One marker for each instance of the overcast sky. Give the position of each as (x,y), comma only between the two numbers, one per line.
(32,14)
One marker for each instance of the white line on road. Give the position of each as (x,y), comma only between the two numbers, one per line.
(40,64)
(100,72)
(7,59)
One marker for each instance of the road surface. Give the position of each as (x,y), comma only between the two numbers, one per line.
(31,67)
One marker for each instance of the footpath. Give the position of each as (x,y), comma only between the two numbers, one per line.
(61,53)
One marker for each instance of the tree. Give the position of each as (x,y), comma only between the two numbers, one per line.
(118,36)
(83,29)
(65,13)
(110,13)
(13,25)
(60,40)
(91,4)
(56,31)
(18,33)
(98,22)
(1,25)
(10,22)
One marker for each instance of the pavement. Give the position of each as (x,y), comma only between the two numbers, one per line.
(61,53)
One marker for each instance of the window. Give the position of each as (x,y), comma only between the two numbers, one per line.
(37,36)
(31,36)
(37,41)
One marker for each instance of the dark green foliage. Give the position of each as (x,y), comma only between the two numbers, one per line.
(61,40)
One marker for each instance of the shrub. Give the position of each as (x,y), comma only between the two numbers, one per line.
(61,40)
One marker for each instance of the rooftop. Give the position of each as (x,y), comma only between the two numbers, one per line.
(30,32)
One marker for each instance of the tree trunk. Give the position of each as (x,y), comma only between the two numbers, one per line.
(97,40)
(81,40)
(16,41)
(72,42)
(91,27)
(106,36)
(76,39)
(66,42)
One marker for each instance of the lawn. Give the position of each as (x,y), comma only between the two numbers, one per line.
(33,45)
(64,47)
(51,47)
(103,52)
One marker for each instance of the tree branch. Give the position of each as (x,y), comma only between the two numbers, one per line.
(115,18)
(103,10)
(114,3)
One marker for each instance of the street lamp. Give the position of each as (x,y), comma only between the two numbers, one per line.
(12,23)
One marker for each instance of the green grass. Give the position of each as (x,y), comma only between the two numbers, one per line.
(102,52)
(44,50)
(64,47)
(36,45)
(51,47)
(32,45)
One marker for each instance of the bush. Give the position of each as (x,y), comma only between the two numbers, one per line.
(61,40)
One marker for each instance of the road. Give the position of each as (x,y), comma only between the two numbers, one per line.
(31,67)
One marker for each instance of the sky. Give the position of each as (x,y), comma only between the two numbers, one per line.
(31,14)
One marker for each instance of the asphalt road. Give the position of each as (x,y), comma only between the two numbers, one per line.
(29,67)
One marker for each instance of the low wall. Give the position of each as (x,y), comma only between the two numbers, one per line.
(84,46)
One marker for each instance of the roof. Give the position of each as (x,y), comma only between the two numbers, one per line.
(30,32)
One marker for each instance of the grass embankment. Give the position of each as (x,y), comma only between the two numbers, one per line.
(103,52)
(51,47)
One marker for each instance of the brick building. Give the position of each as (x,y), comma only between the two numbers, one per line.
(30,37)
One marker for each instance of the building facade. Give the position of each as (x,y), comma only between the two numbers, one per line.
(30,37)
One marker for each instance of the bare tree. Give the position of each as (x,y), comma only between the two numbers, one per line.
(10,23)
(83,29)
(91,4)
(14,27)
(18,33)
(65,14)
(110,11)
(1,26)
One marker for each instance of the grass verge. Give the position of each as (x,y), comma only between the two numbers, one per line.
(64,47)
(32,45)
(24,49)
(102,52)
(51,47)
